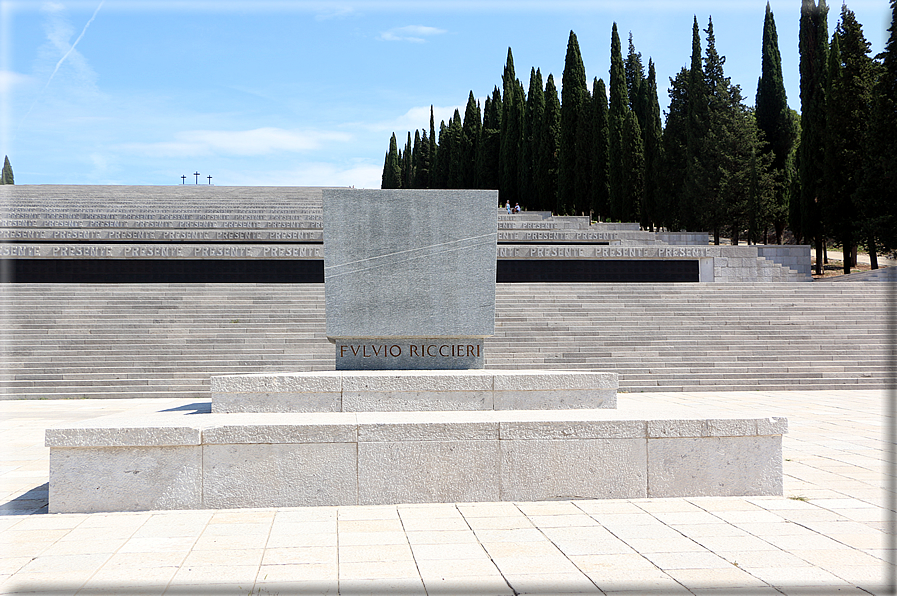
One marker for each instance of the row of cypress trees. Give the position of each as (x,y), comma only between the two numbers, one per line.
(848,146)
(717,165)
(606,154)
(541,150)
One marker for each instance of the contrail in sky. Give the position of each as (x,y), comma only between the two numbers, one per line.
(61,60)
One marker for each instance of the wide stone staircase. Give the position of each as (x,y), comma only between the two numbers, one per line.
(166,340)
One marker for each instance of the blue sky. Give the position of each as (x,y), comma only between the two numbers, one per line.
(308,93)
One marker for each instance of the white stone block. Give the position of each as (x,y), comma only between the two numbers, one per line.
(427,426)
(279,475)
(88,480)
(553,380)
(405,401)
(404,381)
(572,428)
(428,472)
(708,427)
(224,403)
(307,382)
(249,428)
(539,470)
(440,390)
(124,434)
(715,466)
(774,425)
(555,400)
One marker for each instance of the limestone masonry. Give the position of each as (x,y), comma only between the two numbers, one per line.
(409,277)
(409,283)
(218,228)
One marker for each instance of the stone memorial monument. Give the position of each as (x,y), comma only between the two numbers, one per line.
(409,277)
(410,415)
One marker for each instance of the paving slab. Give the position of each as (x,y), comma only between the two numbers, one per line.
(796,544)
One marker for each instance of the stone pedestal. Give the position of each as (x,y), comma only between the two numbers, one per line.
(420,391)
(173,457)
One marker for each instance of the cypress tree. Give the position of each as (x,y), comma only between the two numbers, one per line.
(470,132)
(619,105)
(794,192)
(584,150)
(490,143)
(440,173)
(835,205)
(673,165)
(407,170)
(433,149)
(849,97)
(879,190)
(415,161)
(456,158)
(511,130)
(633,169)
(653,138)
(775,121)
(487,106)
(392,170)
(6,177)
(532,123)
(600,189)
(572,94)
(813,60)
(549,147)
(692,199)
(635,80)
(423,164)
(715,159)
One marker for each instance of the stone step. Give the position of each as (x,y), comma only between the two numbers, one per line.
(694,334)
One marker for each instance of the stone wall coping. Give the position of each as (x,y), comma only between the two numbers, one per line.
(182,428)
(411,380)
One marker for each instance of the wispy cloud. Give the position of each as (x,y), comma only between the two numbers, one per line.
(10,79)
(58,33)
(412,33)
(417,117)
(334,12)
(56,8)
(312,173)
(259,141)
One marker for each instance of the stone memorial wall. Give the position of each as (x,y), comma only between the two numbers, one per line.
(100,233)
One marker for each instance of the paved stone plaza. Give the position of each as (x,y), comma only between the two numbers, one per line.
(827,535)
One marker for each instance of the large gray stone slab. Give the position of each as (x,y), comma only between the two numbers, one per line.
(279,475)
(553,469)
(428,472)
(92,479)
(727,466)
(409,264)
